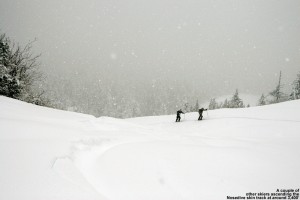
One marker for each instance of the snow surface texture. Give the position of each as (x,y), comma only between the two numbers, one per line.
(51,154)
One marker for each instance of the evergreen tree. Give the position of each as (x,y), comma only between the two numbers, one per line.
(196,108)
(262,100)
(235,101)
(212,104)
(296,88)
(220,105)
(18,72)
(9,83)
(4,52)
(186,107)
(225,104)
(278,95)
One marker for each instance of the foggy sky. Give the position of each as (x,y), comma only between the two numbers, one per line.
(215,46)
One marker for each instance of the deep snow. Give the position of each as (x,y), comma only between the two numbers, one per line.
(52,154)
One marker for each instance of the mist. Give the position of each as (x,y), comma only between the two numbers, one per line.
(158,54)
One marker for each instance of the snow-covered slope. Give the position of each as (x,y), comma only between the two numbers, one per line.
(52,154)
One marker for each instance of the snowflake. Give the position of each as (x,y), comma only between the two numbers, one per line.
(113,56)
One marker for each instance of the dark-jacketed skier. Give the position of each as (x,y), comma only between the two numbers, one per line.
(178,115)
(201,113)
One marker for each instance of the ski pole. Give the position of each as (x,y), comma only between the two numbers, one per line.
(207,113)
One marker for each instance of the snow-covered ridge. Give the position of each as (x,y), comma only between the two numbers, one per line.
(52,154)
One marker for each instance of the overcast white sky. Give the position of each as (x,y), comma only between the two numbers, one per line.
(216,46)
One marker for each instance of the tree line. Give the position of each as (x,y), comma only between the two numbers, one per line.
(275,96)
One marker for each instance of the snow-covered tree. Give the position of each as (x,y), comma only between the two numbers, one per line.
(262,100)
(4,53)
(196,108)
(296,88)
(220,105)
(213,104)
(277,94)
(19,72)
(9,83)
(186,107)
(236,101)
(225,104)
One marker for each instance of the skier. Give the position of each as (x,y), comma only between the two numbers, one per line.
(178,115)
(200,113)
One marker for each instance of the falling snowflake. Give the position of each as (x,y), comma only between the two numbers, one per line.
(133,54)
(113,56)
